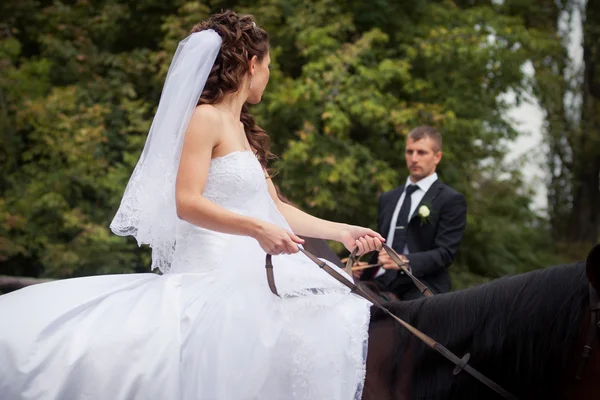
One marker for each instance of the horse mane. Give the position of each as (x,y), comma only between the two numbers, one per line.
(520,330)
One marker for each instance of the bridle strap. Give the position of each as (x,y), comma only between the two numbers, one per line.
(593,331)
(461,364)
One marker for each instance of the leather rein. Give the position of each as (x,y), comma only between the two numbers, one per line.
(460,363)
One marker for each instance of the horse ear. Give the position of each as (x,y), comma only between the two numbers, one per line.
(592,267)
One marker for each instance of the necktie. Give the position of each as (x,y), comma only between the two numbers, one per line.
(402,221)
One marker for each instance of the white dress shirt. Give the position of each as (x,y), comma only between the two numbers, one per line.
(423,186)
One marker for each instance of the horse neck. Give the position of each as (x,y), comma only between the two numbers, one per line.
(519,330)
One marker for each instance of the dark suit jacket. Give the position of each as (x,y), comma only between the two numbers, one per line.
(432,244)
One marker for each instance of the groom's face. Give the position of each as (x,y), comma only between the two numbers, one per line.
(422,157)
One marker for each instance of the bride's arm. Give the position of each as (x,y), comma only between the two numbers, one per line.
(201,137)
(307,225)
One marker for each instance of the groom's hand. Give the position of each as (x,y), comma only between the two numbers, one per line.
(358,272)
(386,261)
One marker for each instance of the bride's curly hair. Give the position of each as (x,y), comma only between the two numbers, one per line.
(241,40)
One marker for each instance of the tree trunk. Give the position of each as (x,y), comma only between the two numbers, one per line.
(584,218)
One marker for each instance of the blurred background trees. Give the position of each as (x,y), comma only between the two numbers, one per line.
(80,80)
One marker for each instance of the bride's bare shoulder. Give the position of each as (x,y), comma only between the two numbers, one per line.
(206,119)
(207,110)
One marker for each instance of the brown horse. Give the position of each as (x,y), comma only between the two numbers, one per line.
(525,332)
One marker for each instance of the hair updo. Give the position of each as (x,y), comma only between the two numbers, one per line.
(242,39)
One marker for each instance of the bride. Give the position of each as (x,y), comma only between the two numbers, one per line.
(207,327)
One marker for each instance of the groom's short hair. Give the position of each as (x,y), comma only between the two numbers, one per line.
(420,132)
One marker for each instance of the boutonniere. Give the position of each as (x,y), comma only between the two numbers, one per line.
(424,212)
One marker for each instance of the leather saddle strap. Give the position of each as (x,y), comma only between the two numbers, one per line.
(270,277)
(461,364)
(403,266)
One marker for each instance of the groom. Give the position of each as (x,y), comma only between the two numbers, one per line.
(423,221)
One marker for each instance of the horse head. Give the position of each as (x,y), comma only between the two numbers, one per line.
(592,267)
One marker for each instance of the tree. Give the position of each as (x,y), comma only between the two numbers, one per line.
(570,98)
(82,81)
(362,89)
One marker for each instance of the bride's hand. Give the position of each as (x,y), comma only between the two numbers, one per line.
(367,240)
(276,240)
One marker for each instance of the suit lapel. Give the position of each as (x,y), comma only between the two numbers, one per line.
(389,210)
(428,198)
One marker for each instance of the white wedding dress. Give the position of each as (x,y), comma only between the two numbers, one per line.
(208,329)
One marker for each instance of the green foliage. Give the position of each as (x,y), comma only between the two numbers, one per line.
(81,80)
(568,91)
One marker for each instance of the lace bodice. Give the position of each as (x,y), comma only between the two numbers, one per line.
(234,179)
(236,182)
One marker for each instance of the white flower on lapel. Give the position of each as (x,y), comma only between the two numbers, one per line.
(424,212)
